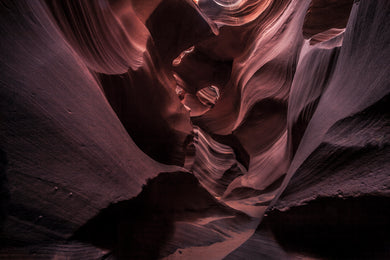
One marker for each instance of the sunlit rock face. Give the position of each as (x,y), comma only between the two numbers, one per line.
(180,129)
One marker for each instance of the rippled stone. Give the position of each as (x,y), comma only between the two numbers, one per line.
(208,129)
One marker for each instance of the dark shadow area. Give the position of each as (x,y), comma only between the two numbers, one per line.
(198,70)
(323,15)
(242,155)
(252,133)
(4,192)
(335,228)
(221,184)
(145,113)
(138,228)
(230,175)
(175,26)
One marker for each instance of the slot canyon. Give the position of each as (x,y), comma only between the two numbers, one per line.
(194,129)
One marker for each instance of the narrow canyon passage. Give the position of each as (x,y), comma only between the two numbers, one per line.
(183,129)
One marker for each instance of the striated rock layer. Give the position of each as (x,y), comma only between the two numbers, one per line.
(206,129)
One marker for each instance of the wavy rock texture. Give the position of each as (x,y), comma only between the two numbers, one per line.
(206,129)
